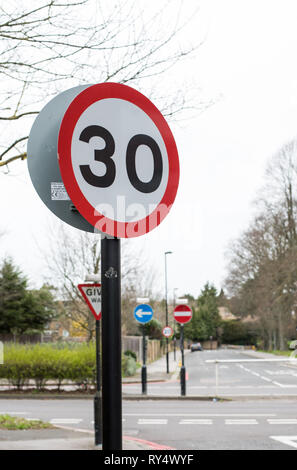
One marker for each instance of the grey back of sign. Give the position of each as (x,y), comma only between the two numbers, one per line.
(43,160)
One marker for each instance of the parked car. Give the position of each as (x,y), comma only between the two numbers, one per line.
(196,347)
(293,344)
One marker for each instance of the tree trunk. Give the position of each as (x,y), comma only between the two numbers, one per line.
(281,333)
(274,340)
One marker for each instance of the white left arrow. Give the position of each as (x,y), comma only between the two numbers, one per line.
(139,313)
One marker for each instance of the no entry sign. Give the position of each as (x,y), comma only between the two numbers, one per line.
(118,160)
(182,314)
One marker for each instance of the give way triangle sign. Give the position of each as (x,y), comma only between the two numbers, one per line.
(92,295)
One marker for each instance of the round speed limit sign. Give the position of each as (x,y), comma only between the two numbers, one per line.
(167,331)
(118,160)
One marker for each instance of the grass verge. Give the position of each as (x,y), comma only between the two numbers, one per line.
(14,423)
(277,352)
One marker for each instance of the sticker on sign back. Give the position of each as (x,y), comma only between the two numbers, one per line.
(58,192)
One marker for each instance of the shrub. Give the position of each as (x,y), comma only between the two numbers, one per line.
(44,362)
(131,353)
(129,366)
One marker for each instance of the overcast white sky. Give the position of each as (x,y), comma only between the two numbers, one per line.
(248,64)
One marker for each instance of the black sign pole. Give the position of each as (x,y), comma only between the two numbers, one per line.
(98,397)
(174,342)
(111,344)
(143,369)
(183,369)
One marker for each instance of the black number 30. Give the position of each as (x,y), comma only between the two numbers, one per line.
(104,156)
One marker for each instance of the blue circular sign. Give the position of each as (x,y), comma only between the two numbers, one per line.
(143,313)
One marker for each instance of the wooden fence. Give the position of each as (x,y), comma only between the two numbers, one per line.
(154,350)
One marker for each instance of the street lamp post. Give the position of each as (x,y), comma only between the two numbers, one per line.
(166,303)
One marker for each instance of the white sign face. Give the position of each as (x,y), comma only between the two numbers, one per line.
(118,160)
(92,295)
(121,191)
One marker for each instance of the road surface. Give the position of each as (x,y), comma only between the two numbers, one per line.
(234,379)
(183,425)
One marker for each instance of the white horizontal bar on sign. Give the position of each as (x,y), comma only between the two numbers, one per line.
(215,361)
(183,314)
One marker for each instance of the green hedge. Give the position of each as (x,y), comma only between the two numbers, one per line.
(47,362)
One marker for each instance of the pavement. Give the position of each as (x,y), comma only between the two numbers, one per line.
(63,438)
(156,371)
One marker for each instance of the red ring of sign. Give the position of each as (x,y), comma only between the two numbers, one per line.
(85,99)
(171,331)
(184,318)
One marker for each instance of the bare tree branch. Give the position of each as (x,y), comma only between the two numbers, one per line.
(57,45)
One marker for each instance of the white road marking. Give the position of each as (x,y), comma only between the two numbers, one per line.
(288,385)
(197,386)
(280,385)
(262,377)
(282,421)
(282,372)
(196,421)
(266,386)
(152,421)
(205,418)
(288,440)
(65,420)
(241,421)
(244,386)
